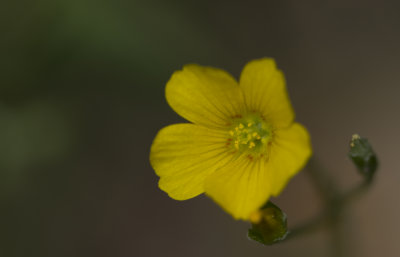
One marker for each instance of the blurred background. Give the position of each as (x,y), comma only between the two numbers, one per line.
(82,97)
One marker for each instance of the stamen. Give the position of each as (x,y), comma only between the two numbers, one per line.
(253,138)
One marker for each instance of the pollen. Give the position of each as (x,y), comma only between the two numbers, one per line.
(252,139)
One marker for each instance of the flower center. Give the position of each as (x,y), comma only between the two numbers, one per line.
(250,134)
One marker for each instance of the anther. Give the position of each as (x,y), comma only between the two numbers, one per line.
(250,135)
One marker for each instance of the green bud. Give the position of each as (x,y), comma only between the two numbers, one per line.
(269,225)
(363,156)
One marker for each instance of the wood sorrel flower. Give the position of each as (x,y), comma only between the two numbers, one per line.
(242,145)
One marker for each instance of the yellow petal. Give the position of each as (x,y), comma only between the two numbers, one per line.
(241,187)
(204,95)
(289,152)
(183,155)
(265,91)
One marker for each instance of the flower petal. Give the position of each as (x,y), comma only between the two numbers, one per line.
(183,155)
(265,91)
(204,95)
(241,187)
(289,152)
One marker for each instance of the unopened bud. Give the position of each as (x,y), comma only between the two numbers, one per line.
(363,156)
(269,225)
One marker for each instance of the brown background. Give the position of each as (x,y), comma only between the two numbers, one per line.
(81,98)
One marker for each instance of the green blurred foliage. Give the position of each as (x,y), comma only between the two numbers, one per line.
(67,56)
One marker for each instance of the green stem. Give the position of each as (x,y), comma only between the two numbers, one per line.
(334,206)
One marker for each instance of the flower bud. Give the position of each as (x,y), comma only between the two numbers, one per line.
(363,156)
(269,225)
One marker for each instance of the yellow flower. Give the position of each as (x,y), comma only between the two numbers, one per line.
(242,145)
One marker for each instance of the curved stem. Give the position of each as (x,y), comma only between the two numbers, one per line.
(334,201)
